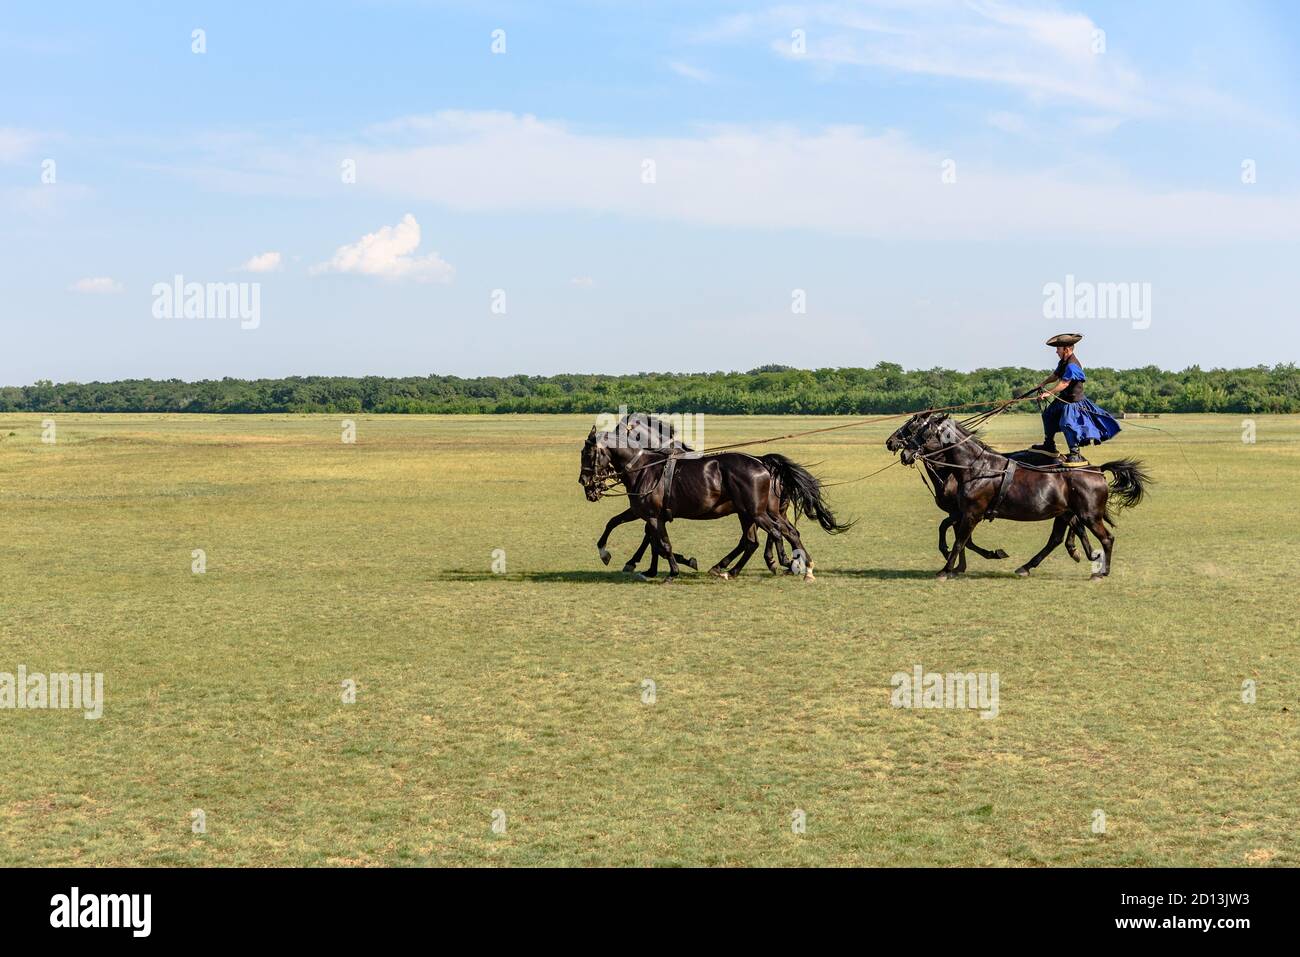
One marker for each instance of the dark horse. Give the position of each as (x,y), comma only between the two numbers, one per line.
(943,484)
(654,432)
(706,487)
(992,483)
(650,432)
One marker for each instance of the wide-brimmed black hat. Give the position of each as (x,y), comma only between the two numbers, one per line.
(1065,339)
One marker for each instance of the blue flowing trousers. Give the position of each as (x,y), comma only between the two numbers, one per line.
(1082,422)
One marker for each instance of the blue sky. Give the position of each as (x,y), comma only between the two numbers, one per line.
(795,147)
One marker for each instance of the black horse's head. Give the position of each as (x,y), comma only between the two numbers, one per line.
(925,434)
(911,436)
(900,437)
(597,467)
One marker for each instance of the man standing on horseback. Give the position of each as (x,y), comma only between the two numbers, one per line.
(1067,411)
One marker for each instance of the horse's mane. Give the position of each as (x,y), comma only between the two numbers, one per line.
(965,433)
(654,425)
(663,426)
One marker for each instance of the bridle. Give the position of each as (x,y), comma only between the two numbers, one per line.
(601,477)
(917,447)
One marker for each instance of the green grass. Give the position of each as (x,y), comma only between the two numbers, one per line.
(522,692)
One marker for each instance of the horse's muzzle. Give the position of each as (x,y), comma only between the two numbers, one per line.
(589,488)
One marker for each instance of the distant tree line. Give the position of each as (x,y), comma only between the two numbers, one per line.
(772,389)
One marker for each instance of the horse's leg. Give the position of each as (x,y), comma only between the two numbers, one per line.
(1092,553)
(720,567)
(961,556)
(774,551)
(746,535)
(946,524)
(769,555)
(627,515)
(1070,539)
(750,542)
(1077,529)
(653,572)
(781,560)
(1059,526)
(964,528)
(787,528)
(683,560)
(646,540)
(630,567)
(985,553)
(661,533)
(1098,526)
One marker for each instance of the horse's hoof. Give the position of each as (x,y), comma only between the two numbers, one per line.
(641,577)
(1074,555)
(605,556)
(629,569)
(809,577)
(1022,572)
(942,576)
(717,572)
(1096,578)
(669,580)
(693,564)
(1001,553)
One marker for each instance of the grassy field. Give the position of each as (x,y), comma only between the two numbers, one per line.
(523,692)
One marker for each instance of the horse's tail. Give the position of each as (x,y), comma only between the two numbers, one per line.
(802,489)
(1128,484)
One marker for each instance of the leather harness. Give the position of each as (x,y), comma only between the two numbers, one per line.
(1008,474)
(670,469)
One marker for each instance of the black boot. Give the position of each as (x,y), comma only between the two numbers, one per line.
(1047,445)
(1074,458)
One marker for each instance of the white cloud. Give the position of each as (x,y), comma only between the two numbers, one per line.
(16,144)
(839,179)
(266,262)
(98,285)
(583,282)
(1042,52)
(690,72)
(387,253)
